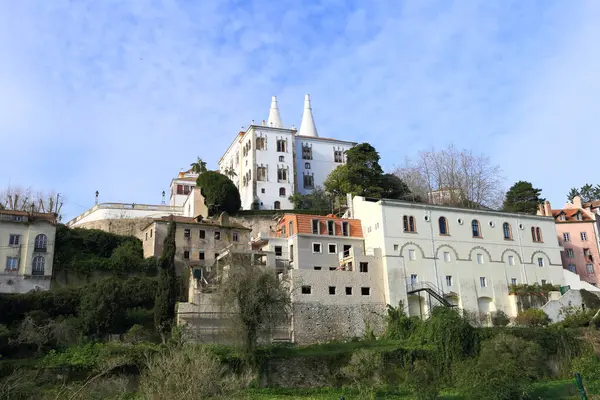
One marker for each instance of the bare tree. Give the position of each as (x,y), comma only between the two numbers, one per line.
(454,177)
(26,199)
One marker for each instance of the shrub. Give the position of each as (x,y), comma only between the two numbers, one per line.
(589,368)
(187,372)
(398,325)
(577,317)
(532,317)
(499,318)
(220,192)
(423,381)
(505,370)
(101,309)
(60,302)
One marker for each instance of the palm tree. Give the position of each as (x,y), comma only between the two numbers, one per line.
(199,166)
(229,172)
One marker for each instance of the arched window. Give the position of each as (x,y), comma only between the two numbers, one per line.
(38,266)
(538,234)
(277,205)
(405,222)
(282,192)
(476,228)
(411,224)
(507,231)
(443,226)
(533,234)
(41,241)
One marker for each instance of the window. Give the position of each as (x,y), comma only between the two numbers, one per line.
(476,229)
(261,173)
(365,291)
(186,189)
(413,279)
(345,230)
(513,281)
(40,242)
(507,231)
(291,225)
(277,205)
(217,235)
(589,268)
(309,181)
(331,227)
(38,265)
(179,189)
(306,165)
(202,234)
(443,222)
(348,291)
(317,268)
(583,236)
(511,260)
(572,268)
(409,223)
(263,191)
(536,234)
(282,175)
(569,253)
(282,192)
(186,255)
(331,290)
(332,268)
(332,248)
(540,261)
(396,247)
(566,237)
(543,282)
(201,255)
(281,145)
(578,216)
(479,258)
(306,289)
(316,247)
(12,263)
(281,159)
(448,280)
(278,251)
(14,240)
(315,226)
(412,255)
(338,156)
(261,143)
(482,282)
(447,256)
(363,267)
(150,232)
(234,236)
(306,152)
(146,235)
(186,233)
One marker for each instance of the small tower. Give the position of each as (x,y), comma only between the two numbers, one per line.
(307,127)
(274,117)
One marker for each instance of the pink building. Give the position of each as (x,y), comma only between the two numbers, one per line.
(577,230)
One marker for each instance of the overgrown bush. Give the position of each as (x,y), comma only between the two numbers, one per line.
(532,317)
(499,318)
(398,325)
(365,370)
(589,368)
(60,302)
(505,370)
(423,381)
(575,317)
(189,372)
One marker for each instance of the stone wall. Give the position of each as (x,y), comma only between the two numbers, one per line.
(258,223)
(125,226)
(304,372)
(10,283)
(318,323)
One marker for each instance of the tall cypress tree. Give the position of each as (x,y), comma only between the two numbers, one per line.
(164,304)
(522,197)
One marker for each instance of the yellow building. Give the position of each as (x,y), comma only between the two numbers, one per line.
(26,250)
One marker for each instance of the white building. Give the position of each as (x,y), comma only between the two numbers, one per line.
(27,249)
(469,257)
(268,162)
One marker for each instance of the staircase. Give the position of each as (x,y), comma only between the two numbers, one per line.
(429,288)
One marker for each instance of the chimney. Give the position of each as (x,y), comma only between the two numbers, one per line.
(577,202)
(547,209)
(224,218)
(541,210)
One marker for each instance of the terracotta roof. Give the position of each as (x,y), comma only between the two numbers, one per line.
(187,178)
(592,204)
(302,223)
(570,215)
(50,217)
(190,220)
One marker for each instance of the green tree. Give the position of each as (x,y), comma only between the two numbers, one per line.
(102,308)
(259,300)
(164,306)
(199,167)
(532,317)
(587,193)
(318,200)
(522,197)
(363,176)
(220,192)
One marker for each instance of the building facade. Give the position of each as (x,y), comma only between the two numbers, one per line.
(27,250)
(468,258)
(268,162)
(577,232)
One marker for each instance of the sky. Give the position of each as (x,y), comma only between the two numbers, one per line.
(118,96)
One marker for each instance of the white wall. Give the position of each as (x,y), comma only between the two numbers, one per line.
(106,211)
(383,227)
(322,162)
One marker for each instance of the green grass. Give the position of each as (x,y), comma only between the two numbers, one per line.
(553,390)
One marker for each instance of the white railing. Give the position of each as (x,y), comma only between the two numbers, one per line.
(127,206)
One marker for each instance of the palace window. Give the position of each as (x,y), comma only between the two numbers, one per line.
(261,173)
(536,234)
(277,205)
(507,231)
(282,174)
(306,165)
(309,181)
(282,145)
(476,228)
(261,143)
(306,152)
(443,222)
(409,223)
(338,156)
(281,159)
(282,192)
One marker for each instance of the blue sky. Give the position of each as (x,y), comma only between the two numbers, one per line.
(118,96)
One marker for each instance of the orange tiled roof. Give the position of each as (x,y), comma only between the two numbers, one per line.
(50,217)
(570,214)
(302,223)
